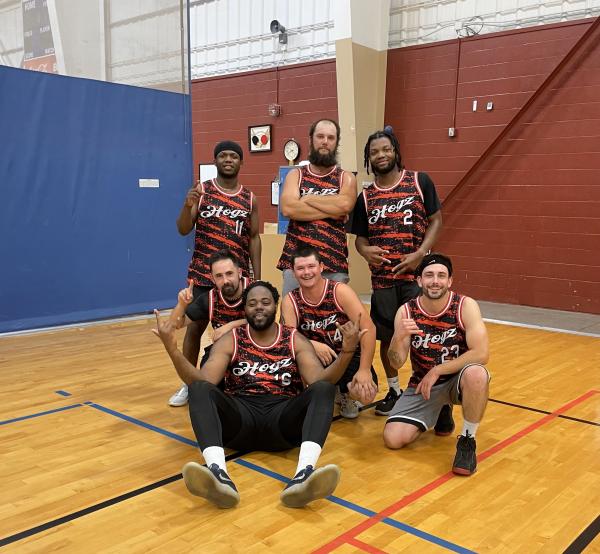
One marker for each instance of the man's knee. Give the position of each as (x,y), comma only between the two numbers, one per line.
(323,390)
(199,391)
(474,378)
(398,435)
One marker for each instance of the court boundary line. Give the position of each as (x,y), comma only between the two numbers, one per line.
(529,408)
(584,538)
(249,465)
(40,414)
(236,458)
(436,483)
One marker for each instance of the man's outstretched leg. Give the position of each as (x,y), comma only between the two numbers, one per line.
(215,418)
(306,420)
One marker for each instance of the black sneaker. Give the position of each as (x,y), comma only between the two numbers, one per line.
(384,407)
(310,484)
(465,461)
(444,425)
(210,483)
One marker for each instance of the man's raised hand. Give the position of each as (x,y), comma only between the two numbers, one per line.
(186,295)
(165,331)
(194,195)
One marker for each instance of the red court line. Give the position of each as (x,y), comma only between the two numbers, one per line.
(366,547)
(410,498)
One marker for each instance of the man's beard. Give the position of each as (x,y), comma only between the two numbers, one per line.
(266,323)
(322,160)
(230,292)
(384,170)
(437,295)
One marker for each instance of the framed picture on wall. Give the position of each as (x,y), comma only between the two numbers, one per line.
(259,138)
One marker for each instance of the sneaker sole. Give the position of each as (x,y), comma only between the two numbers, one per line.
(320,484)
(200,481)
(177,404)
(463,471)
(349,416)
(381,412)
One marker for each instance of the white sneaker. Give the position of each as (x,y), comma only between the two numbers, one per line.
(180,398)
(349,407)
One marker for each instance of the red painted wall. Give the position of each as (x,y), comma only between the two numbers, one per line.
(224,107)
(524,228)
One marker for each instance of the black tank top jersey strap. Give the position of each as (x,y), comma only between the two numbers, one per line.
(256,369)
(443,337)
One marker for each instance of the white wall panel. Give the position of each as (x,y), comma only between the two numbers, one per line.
(11,33)
(231,36)
(421,21)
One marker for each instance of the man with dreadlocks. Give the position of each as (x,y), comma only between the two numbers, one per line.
(397,220)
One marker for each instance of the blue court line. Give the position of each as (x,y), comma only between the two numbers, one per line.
(364,511)
(334,499)
(143,424)
(39,414)
(62,392)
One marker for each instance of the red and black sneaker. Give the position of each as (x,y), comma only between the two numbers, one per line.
(465,461)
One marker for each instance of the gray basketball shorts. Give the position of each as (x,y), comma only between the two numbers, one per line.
(414,409)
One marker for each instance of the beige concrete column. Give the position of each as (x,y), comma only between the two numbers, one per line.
(361,32)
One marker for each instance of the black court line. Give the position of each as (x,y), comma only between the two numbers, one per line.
(100,506)
(537,410)
(584,538)
(117,499)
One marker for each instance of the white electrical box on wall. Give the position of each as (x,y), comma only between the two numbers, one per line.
(148,183)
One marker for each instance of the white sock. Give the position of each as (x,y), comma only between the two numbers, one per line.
(469,427)
(215,455)
(393,383)
(309,454)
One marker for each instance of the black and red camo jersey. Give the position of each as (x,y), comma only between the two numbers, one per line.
(328,235)
(220,311)
(223,222)
(443,337)
(318,321)
(256,369)
(397,223)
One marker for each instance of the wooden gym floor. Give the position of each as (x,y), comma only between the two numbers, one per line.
(91,459)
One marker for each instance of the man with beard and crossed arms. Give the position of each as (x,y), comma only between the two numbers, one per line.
(225,215)
(223,305)
(317,199)
(448,345)
(265,404)
(397,220)
(315,309)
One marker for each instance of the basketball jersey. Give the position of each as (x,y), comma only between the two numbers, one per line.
(397,222)
(256,369)
(318,321)
(221,312)
(223,222)
(443,337)
(328,235)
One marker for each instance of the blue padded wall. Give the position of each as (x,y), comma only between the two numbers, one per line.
(79,239)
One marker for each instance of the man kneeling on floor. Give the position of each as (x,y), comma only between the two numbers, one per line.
(265,405)
(448,345)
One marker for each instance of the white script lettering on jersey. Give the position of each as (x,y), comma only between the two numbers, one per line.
(243,368)
(222,211)
(322,324)
(311,190)
(379,213)
(423,341)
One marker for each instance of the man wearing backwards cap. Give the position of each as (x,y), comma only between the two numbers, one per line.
(225,215)
(448,345)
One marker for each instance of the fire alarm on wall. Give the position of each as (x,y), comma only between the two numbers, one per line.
(274,110)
